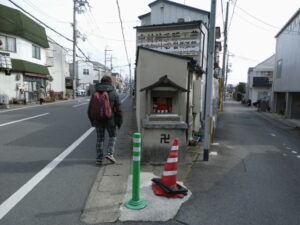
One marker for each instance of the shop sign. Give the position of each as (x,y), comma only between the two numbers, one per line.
(184,42)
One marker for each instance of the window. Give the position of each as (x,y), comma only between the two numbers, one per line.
(36,52)
(8,43)
(279,68)
(86,72)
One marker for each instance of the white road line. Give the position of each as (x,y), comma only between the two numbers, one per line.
(28,118)
(273,135)
(80,104)
(14,199)
(298,156)
(124,99)
(294,152)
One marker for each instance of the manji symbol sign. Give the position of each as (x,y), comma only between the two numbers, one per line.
(165,138)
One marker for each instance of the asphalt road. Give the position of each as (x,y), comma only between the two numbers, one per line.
(252,176)
(47,163)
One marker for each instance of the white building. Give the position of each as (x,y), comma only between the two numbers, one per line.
(88,73)
(58,68)
(260,79)
(22,55)
(286,77)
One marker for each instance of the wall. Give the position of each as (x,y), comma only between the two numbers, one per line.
(287,49)
(8,85)
(171,13)
(24,51)
(58,70)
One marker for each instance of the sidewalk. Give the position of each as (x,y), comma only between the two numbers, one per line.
(108,192)
(292,123)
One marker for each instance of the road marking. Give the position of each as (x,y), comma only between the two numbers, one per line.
(215,144)
(124,98)
(298,156)
(80,104)
(213,153)
(14,199)
(34,106)
(28,118)
(288,148)
(294,152)
(273,135)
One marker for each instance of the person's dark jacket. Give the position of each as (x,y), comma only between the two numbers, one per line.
(115,103)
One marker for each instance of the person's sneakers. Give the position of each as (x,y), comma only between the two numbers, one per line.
(111,158)
(99,162)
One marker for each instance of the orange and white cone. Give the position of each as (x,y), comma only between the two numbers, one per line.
(169,175)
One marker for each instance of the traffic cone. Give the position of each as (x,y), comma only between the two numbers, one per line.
(167,186)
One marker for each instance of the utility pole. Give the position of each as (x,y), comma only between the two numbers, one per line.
(224,63)
(210,70)
(74,51)
(130,86)
(77,8)
(106,60)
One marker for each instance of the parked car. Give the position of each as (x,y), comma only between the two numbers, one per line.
(81,92)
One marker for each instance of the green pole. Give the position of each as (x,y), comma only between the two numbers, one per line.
(135,202)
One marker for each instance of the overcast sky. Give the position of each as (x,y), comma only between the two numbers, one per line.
(251,34)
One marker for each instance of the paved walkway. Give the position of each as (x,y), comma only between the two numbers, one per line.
(109,189)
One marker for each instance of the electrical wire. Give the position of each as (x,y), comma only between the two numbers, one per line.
(254,17)
(40,21)
(222,9)
(33,6)
(232,14)
(119,12)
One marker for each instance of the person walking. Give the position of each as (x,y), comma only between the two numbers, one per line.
(102,124)
(41,94)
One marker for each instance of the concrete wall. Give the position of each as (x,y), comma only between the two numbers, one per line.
(160,148)
(8,85)
(287,50)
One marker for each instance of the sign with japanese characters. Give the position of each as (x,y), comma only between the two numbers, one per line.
(184,42)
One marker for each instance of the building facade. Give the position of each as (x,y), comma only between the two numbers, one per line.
(286,79)
(88,73)
(58,69)
(260,79)
(22,55)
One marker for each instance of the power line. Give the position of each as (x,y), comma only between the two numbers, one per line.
(232,14)
(119,11)
(33,6)
(222,13)
(254,17)
(40,21)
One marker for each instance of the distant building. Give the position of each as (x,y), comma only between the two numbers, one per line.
(23,44)
(58,68)
(88,73)
(260,79)
(286,79)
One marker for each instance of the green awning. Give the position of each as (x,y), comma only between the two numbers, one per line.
(28,67)
(16,23)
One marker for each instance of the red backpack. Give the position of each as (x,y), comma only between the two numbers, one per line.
(100,106)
